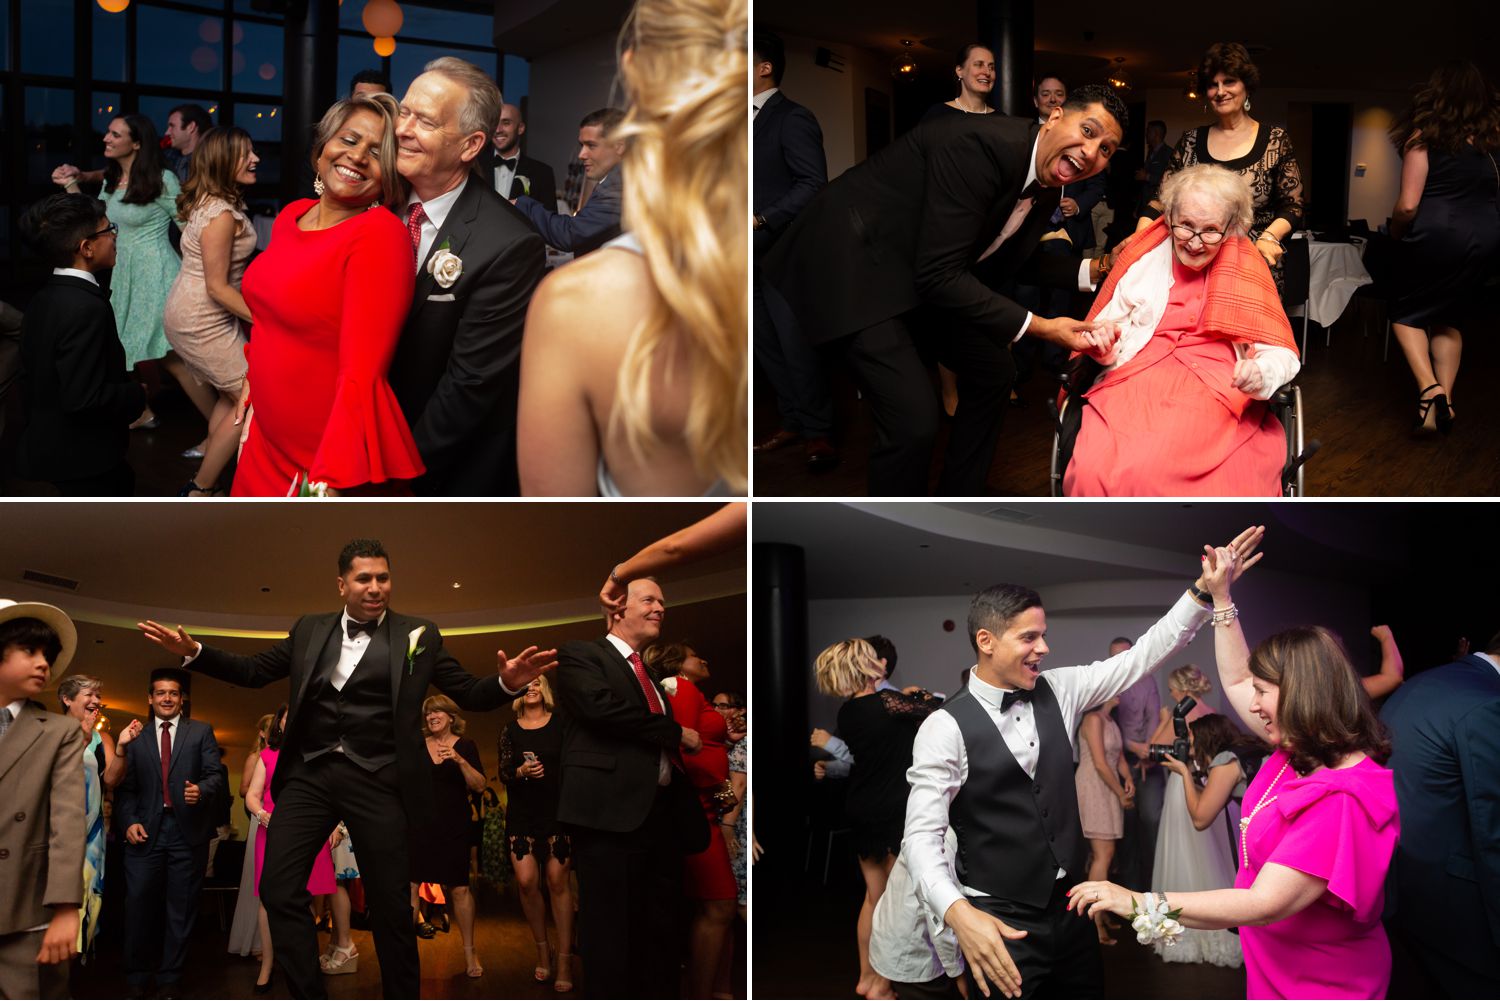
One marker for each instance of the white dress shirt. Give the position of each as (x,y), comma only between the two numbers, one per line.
(350,650)
(435,214)
(1491,660)
(504,173)
(758,101)
(87,276)
(940,764)
(904,946)
(664,766)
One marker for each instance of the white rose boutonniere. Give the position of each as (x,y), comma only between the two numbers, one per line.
(412,650)
(445,266)
(669,685)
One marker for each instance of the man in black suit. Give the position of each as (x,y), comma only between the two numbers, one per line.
(598,221)
(165,807)
(456,370)
(352,751)
(790,169)
(80,394)
(630,810)
(511,172)
(938,219)
(1443,892)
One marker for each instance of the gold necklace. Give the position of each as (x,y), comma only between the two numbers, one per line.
(1264,801)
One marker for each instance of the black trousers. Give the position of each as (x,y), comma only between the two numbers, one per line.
(316,796)
(163,879)
(117,482)
(986,372)
(790,362)
(1059,958)
(629,891)
(940,988)
(902,404)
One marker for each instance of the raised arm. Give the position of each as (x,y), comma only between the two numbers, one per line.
(1392,670)
(719,532)
(248,672)
(1231,653)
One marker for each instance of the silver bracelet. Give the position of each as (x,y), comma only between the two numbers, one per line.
(1266,235)
(1224,616)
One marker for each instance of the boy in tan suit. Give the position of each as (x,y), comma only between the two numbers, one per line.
(41,787)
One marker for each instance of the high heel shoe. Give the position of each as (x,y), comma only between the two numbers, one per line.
(265,988)
(1435,405)
(564,982)
(472,969)
(543,970)
(339,961)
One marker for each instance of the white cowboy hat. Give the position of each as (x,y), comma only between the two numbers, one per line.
(52,616)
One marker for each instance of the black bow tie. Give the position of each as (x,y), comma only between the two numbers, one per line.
(1032,191)
(1011,698)
(511,163)
(355,628)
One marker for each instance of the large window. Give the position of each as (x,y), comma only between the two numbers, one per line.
(426,34)
(47,36)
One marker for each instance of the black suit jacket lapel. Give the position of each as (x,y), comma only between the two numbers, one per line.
(455,232)
(397,630)
(317,638)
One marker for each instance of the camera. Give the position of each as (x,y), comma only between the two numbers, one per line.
(1178,748)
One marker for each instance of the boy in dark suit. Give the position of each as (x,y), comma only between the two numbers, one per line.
(79,393)
(41,785)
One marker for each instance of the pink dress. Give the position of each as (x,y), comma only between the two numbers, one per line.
(1168,423)
(321,880)
(1339,825)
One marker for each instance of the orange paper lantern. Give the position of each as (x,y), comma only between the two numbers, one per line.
(114,6)
(382,18)
(385,45)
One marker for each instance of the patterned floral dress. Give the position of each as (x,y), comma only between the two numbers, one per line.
(739,761)
(93,848)
(145,268)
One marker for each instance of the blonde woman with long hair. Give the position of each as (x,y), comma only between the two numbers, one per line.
(633,376)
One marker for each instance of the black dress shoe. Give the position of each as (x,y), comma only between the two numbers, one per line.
(780,439)
(266,987)
(426,930)
(820,455)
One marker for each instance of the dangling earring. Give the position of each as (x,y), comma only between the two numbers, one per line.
(1247,105)
(318,180)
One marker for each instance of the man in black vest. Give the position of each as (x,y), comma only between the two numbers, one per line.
(996,763)
(353,751)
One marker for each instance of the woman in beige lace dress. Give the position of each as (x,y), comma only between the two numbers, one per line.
(1105,790)
(205,311)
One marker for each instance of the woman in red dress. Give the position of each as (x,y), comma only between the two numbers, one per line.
(330,296)
(709,876)
(1203,343)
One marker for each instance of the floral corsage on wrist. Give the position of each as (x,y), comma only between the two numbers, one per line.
(1155,923)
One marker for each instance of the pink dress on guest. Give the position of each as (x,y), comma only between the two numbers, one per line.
(1340,825)
(321,880)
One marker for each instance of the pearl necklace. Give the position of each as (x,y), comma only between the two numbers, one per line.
(1264,801)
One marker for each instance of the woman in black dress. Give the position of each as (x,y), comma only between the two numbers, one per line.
(975,69)
(1446,219)
(531,768)
(440,842)
(1260,153)
(879,726)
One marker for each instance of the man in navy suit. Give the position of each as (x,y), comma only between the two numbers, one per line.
(1443,893)
(599,220)
(165,806)
(790,169)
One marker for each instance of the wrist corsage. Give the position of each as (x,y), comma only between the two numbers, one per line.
(1155,923)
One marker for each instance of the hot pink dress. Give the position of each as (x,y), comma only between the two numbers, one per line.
(321,880)
(1339,825)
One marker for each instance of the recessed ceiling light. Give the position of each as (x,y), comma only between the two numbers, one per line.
(456,585)
(265,590)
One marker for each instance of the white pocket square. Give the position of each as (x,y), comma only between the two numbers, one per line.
(441,297)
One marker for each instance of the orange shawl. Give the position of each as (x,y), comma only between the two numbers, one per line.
(1240,302)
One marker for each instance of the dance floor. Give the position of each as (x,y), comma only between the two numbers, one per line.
(505,950)
(1359,406)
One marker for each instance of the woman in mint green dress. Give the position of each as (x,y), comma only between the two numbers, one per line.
(141,198)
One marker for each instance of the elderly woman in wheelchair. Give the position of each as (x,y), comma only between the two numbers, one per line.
(1178,407)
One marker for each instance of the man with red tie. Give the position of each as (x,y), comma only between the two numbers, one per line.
(165,807)
(631,811)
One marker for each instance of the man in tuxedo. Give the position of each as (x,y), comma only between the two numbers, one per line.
(352,751)
(629,808)
(512,172)
(456,371)
(1443,891)
(1050,93)
(79,393)
(165,807)
(939,219)
(790,170)
(995,764)
(599,220)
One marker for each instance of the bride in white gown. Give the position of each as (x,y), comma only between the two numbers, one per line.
(1187,858)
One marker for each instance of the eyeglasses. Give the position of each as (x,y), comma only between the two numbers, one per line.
(1209,237)
(112,229)
(728,705)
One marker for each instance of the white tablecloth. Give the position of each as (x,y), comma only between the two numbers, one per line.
(1337,271)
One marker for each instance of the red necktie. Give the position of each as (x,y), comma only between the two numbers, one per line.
(652,701)
(414,226)
(166,764)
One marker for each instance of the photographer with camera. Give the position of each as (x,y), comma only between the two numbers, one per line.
(1188,858)
(1228,759)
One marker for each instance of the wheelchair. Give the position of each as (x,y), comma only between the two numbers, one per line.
(1286,404)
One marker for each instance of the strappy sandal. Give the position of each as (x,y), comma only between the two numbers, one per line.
(543,971)
(339,961)
(1437,406)
(564,982)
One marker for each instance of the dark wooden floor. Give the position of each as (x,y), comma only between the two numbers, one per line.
(505,950)
(1357,405)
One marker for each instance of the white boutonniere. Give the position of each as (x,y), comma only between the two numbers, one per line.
(669,685)
(445,266)
(412,650)
(525,183)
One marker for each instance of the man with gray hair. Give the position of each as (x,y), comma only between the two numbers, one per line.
(456,368)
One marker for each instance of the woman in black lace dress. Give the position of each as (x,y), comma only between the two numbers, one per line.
(1446,220)
(1259,152)
(879,726)
(531,768)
